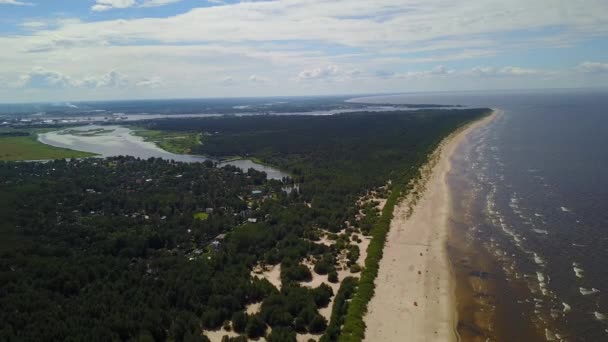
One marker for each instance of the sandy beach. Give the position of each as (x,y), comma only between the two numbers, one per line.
(415,298)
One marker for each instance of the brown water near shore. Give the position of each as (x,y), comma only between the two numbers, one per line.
(486,302)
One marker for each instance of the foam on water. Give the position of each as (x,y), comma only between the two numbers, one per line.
(567,307)
(600,316)
(541,283)
(540,231)
(586,292)
(564,209)
(577,270)
(539,260)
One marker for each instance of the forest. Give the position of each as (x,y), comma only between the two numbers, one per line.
(155,250)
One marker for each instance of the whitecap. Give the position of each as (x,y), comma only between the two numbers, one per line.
(538,215)
(600,316)
(567,307)
(564,209)
(549,336)
(577,270)
(540,231)
(541,283)
(539,260)
(586,292)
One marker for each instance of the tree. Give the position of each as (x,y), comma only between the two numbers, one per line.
(255,327)
(317,325)
(239,321)
(282,334)
(332,277)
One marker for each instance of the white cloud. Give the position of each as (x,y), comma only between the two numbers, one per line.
(157,3)
(297,43)
(227,81)
(507,71)
(592,67)
(104,5)
(15,2)
(257,79)
(41,78)
(152,82)
(323,72)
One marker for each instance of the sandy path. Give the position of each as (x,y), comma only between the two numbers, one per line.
(414,297)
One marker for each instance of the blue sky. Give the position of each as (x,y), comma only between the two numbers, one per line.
(69,50)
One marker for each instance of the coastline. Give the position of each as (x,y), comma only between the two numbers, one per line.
(415,287)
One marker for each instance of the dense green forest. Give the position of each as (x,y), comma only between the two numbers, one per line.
(153,250)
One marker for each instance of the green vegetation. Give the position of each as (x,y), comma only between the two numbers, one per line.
(345,293)
(24,145)
(202,216)
(116,249)
(180,142)
(87,133)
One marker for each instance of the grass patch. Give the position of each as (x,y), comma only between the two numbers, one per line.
(29,148)
(174,142)
(202,216)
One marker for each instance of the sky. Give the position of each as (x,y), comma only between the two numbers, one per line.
(70,50)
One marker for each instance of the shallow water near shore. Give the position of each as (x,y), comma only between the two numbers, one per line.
(529,242)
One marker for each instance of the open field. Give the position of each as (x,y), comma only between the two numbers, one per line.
(27,147)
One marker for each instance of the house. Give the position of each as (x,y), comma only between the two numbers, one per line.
(252,220)
(215,245)
(256,192)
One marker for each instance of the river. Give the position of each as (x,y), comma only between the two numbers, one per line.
(110,141)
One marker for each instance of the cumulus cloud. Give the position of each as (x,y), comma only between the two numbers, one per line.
(592,67)
(322,72)
(41,78)
(329,72)
(111,79)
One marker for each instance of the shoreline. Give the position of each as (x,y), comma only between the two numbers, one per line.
(415,286)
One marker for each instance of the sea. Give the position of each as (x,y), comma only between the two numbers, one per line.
(529,242)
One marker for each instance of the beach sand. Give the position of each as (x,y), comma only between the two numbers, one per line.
(414,298)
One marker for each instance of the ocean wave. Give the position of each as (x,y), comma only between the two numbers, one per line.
(540,231)
(567,308)
(586,292)
(539,260)
(549,335)
(600,316)
(564,209)
(541,283)
(577,270)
